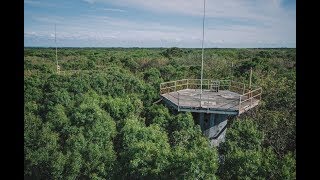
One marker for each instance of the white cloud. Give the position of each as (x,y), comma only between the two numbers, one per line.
(273,18)
(275,25)
(124,32)
(258,9)
(39,3)
(31,2)
(30,34)
(114,10)
(90,1)
(49,19)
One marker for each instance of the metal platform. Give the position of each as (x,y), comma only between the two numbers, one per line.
(219,97)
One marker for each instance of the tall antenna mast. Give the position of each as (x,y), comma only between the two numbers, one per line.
(250,78)
(231,70)
(204,15)
(55,41)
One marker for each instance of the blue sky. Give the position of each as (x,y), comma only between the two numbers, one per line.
(160,23)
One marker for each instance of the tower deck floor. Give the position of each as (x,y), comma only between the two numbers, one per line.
(223,101)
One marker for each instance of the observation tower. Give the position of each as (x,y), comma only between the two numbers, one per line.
(212,101)
(219,101)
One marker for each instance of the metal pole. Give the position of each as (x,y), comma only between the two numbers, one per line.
(55,41)
(175,86)
(239,104)
(250,78)
(204,15)
(231,70)
(244,88)
(178,101)
(187,83)
(250,94)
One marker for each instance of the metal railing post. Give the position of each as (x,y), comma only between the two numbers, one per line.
(244,87)
(187,83)
(178,101)
(200,101)
(239,104)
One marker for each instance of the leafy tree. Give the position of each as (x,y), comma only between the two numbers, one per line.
(182,121)
(41,149)
(153,77)
(145,150)
(79,84)
(243,134)
(287,167)
(172,52)
(33,89)
(121,108)
(192,157)
(129,63)
(56,97)
(79,147)
(58,118)
(98,130)
(243,157)
(241,151)
(158,114)
(168,73)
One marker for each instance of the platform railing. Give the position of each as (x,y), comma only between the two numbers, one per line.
(249,96)
(173,86)
(247,93)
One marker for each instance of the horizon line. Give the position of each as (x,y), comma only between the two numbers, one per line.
(160,47)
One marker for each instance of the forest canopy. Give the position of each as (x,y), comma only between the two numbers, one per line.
(97,119)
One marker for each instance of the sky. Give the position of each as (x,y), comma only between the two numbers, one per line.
(160,23)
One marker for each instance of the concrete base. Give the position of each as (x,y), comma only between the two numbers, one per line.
(214,127)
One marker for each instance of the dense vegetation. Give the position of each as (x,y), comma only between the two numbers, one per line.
(98,120)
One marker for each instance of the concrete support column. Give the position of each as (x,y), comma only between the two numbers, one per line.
(221,118)
(201,121)
(212,119)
